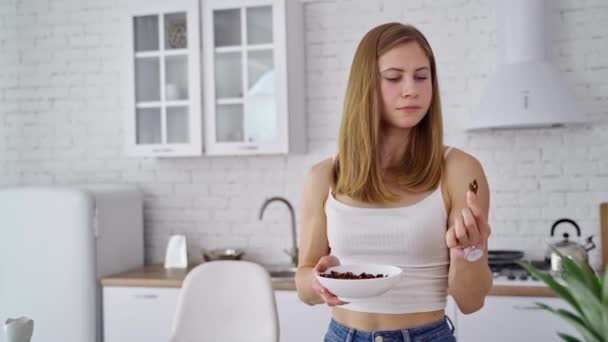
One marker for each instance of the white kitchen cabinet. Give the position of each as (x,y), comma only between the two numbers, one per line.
(507,319)
(163,96)
(138,313)
(146,314)
(299,322)
(253,60)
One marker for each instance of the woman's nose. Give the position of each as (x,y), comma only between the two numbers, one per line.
(408,89)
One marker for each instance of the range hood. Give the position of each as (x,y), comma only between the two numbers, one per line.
(526,90)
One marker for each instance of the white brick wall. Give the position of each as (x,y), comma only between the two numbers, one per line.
(10,121)
(61,105)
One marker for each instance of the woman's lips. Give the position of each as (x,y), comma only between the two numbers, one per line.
(409,108)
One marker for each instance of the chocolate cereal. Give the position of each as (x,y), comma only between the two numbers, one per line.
(350,275)
(473,186)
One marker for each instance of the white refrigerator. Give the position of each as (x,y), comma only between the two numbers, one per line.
(55,245)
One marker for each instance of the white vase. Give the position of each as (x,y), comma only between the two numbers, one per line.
(19,329)
(172,91)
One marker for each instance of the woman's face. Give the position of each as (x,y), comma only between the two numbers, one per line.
(405,85)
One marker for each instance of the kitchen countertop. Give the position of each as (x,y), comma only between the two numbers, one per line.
(155,275)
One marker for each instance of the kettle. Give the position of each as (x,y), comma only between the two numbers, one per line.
(567,248)
(19,329)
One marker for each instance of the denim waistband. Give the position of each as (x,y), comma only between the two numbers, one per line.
(440,327)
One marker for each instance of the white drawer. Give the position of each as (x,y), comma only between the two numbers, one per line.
(138,313)
(513,319)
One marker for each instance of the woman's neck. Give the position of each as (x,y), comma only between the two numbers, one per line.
(392,147)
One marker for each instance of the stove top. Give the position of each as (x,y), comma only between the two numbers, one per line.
(512,274)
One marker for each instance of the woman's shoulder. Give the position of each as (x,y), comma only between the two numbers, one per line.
(460,165)
(457,158)
(319,175)
(321,171)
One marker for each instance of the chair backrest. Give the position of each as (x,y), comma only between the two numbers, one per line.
(230,301)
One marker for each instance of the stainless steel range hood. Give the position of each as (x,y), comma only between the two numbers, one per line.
(526,90)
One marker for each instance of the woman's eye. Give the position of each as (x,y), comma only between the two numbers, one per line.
(396,79)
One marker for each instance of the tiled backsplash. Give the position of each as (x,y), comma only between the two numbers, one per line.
(61,109)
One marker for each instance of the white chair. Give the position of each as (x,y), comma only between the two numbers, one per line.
(228,301)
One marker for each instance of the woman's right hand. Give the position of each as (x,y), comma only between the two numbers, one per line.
(323,264)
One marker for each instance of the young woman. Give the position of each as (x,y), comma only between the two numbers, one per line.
(395,195)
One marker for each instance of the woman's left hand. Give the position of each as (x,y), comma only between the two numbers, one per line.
(470,228)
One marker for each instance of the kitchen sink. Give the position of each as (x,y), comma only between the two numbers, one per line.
(282,272)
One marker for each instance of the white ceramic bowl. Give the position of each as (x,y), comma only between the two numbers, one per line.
(350,290)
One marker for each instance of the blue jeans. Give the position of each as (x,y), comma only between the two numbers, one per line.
(438,331)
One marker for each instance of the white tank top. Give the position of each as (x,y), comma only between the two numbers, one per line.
(411,237)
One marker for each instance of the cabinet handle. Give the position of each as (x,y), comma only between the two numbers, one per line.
(250,147)
(162,150)
(146,296)
(522,307)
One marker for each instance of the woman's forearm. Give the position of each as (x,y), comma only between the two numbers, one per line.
(469,282)
(304,286)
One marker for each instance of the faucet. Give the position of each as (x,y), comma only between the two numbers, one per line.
(293,252)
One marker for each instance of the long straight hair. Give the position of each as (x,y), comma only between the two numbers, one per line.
(357,172)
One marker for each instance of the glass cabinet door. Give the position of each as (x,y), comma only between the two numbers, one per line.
(244,83)
(145,34)
(228,68)
(259,25)
(176,61)
(229,123)
(253,57)
(160,44)
(176,78)
(147,79)
(148,127)
(177,125)
(164,90)
(176,31)
(227,27)
(260,107)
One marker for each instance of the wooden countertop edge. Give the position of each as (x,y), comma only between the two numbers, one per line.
(132,282)
(277,284)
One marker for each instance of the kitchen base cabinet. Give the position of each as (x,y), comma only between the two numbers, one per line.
(300,322)
(507,319)
(146,314)
(138,313)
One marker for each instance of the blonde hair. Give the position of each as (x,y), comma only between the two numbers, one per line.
(357,172)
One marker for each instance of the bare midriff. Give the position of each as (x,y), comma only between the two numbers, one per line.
(367,321)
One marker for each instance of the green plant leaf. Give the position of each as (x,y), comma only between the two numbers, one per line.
(579,325)
(586,287)
(605,287)
(588,334)
(568,338)
(605,304)
(558,288)
(591,306)
(581,271)
(605,330)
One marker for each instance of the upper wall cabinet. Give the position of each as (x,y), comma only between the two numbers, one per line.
(253,60)
(163,97)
